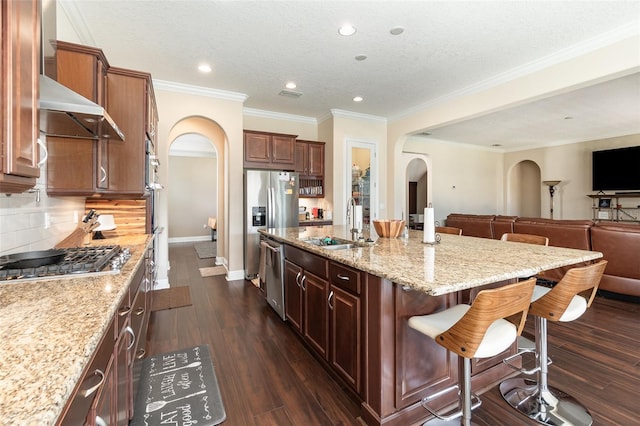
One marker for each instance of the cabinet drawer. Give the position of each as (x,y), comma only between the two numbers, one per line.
(308,261)
(93,378)
(344,277)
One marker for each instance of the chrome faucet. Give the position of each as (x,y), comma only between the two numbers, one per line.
(351,202)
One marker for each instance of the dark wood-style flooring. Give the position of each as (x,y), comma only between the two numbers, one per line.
(268,377)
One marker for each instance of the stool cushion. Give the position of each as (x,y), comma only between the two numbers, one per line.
(499,336)
(576,308)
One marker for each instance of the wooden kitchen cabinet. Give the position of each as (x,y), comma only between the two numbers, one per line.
(274,151)
(131,104)
(323,304)
(107,387)
(87,167)
(345,321)
(310,165)
(19,116)
(79,166)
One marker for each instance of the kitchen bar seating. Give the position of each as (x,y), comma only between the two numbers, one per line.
(476,331)
(565,302)
(448,230)
(525,238)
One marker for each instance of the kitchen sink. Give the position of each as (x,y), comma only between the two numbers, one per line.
(339,246)
(329,243)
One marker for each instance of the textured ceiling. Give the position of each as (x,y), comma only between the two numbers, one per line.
(255,47)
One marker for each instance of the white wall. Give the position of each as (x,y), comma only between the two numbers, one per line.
(26,224)
(572,165)
(192,197)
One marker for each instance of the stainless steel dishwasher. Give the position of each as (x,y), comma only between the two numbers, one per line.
(274,276)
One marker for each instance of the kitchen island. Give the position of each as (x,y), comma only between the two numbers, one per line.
(50,329)
(351,307)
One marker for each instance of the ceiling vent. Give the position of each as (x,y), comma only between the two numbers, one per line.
(290,93)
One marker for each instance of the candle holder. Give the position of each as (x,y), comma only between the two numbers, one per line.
(433,243)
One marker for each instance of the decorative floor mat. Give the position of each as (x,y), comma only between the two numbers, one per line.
(169,298)
(214,270)
(179,388)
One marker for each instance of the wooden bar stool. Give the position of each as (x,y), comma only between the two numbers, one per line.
(448,230)
(476,331)
(525,238)
(564,302)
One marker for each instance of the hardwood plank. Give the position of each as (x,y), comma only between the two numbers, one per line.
(267,376)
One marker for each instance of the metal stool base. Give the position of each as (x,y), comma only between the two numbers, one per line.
(440,422)
(551,407)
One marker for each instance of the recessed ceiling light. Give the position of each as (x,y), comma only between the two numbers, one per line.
(290,85)
(396,30)
(361,57)
(347,30)
(204,68)
(358,99)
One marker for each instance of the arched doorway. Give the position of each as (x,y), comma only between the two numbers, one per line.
(193,187)
(524,190)
(416,186)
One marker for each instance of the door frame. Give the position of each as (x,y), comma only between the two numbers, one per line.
(372,146)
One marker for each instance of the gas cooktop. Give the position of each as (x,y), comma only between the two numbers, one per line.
(77,261)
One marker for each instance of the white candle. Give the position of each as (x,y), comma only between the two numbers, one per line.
(429,226)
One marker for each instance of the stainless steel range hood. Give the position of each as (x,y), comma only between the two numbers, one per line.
(64,112)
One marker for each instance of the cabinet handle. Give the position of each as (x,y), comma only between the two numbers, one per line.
(133,337)
(92,389)
(304,288)
(406,288)
(124,311)
(329,300)
(104,174)
(46,153)
(343,277)
(298,280)
(100,421)
(141,353)
(139,311)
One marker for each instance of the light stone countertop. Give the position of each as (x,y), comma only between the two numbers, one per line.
(456,263)
(48,331)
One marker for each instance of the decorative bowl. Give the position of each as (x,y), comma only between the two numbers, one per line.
(388,228)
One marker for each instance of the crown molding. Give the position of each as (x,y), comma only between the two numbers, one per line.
(582,48)
(278,116)
(172,86)
(357,116)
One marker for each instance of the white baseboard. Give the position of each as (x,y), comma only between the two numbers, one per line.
(161,284)
(189,239)
(235,275)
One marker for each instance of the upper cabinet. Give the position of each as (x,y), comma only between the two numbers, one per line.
(310,165)
(264,150)
(107,166)
(310,158)
(79,166)
(133,108)
(19,71)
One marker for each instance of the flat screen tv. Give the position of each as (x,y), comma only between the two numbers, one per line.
(617,169)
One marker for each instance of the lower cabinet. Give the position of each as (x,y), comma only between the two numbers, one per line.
(322,303)
(105,393)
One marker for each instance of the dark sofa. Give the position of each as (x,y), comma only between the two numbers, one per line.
(618,242)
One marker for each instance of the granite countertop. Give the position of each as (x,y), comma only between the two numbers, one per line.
(49,329)
(456,263)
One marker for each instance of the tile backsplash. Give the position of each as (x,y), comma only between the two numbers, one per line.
(26,224)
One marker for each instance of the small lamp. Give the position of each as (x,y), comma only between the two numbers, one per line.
(106,224)
(552,188)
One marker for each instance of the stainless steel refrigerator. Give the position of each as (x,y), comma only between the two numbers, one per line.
(270,201)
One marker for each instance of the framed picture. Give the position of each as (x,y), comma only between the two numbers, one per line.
(605,203)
